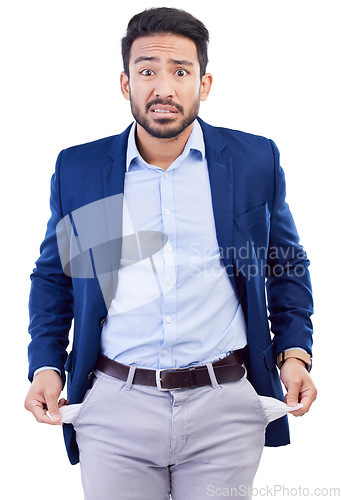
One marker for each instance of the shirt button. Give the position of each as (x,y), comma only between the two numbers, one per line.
(170,281)
(165,175)
(169,249)
(165,352)
(169,319)
(167,211)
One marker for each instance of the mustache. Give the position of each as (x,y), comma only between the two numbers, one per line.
(166,103)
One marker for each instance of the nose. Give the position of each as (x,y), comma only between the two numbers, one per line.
(163,86)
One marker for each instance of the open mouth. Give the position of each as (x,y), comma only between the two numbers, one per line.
(162,110)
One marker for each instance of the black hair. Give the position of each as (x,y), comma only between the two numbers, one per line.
(161,20)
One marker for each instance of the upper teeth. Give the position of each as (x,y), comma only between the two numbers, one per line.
(162,111)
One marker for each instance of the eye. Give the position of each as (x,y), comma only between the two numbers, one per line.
(181,72)
(146,72)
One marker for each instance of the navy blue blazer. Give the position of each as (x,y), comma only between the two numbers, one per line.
(258,242)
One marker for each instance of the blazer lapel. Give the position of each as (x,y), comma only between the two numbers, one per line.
(113,188)
(220,169)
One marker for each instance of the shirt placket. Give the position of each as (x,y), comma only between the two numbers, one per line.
(169,257)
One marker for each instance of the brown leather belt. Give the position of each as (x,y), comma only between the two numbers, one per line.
(227,369)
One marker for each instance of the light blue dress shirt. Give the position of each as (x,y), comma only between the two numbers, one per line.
(178,308)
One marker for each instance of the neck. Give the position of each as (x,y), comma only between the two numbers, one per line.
(161,152)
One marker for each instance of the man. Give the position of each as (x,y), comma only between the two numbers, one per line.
(163,243)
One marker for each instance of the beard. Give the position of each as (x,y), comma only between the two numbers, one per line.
(164,132)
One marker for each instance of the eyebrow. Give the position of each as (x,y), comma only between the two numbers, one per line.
(182,62)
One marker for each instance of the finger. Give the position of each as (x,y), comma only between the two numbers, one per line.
(292,397)
(307,397)
(298,413)
(40,414)
(53,408)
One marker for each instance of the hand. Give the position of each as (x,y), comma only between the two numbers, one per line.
(43,396)
(300,387)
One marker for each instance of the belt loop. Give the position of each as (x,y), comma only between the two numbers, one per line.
(212,376)
(130,377)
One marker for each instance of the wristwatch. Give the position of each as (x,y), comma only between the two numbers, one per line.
(295,353)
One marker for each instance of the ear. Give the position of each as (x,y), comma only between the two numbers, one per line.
(124,81)
(205,86)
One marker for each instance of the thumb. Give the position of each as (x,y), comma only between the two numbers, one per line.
(292,397)
(53,409)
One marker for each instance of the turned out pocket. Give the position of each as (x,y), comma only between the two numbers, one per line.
(78,413)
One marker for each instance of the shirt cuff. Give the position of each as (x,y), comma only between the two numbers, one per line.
(46,368)
(298,348)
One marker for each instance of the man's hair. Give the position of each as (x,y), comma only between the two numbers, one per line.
(162,20)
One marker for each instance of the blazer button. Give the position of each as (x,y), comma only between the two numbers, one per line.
(102,321)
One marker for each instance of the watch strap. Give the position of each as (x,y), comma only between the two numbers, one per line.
(294,353)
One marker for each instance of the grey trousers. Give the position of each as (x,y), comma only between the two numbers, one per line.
(140,443)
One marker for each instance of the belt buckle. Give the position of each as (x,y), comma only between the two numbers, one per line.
(158,379)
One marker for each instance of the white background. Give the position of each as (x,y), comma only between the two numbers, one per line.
(275,66)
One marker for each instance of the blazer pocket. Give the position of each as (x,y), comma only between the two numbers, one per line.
(252,217)
(269,357)
(69,365)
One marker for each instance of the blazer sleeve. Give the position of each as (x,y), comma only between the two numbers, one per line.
(51,295)
(288,285)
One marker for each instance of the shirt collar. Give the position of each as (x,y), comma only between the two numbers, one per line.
(195,141)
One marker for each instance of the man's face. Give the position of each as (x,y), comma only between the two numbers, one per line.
(164,86)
